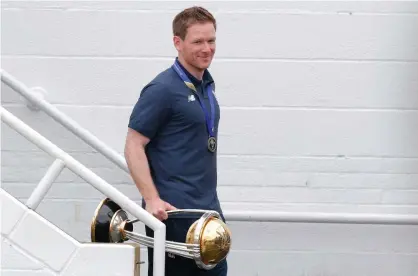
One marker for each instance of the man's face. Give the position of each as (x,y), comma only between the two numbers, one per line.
(198,47)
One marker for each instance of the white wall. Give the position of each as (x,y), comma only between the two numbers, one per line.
(319,113)
(30,245)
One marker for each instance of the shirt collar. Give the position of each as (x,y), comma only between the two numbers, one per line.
(207,77)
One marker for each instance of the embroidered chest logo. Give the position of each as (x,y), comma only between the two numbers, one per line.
(191,98)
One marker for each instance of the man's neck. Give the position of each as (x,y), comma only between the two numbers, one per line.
(197,73)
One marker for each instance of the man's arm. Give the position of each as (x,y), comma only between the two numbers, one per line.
(150,113)
(138,165)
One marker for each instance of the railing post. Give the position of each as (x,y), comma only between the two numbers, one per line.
(159,250)
(45,184)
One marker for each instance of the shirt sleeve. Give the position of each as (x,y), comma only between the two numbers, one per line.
(152,110)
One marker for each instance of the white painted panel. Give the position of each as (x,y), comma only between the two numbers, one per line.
(14,214)
(69,191)
(38,247)
(56,253)
(400,197)
(290,132)
(25,174)
(29,167)
(14,258)
(234,164)
(226,193)
(301,195)
(297,263)
(6,272)
(324,237)
(319,164)
(278,6)
(319,132)
(115,81)
(132,33)
(102,259)
(90,33)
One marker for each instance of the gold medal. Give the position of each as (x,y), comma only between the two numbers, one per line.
(212,144)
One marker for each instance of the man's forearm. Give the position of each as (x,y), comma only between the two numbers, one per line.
(138,166)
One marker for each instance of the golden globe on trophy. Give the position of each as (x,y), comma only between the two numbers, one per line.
(208,240)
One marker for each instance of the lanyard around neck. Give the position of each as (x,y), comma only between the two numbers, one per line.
(210,121)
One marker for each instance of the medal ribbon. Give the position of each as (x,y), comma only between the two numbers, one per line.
(210,122)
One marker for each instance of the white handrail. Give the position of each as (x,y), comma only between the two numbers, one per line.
(340,218)
(117,159)
(93,179)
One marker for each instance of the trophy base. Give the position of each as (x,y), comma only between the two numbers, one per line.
(108,222)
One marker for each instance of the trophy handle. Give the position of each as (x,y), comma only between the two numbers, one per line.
(182,211)
(188,211)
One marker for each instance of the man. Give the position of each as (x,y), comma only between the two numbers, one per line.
(171,143)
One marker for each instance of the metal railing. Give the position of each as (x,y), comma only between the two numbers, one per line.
(63,160)
(119,160)
(317,217)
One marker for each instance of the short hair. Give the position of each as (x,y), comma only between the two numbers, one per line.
(190,16)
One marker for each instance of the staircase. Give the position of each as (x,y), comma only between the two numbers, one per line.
(31,245)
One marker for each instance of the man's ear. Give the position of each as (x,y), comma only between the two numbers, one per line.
(177,42)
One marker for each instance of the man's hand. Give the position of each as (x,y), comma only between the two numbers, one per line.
(158,208)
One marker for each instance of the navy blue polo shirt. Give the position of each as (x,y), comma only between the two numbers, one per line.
(169,114)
